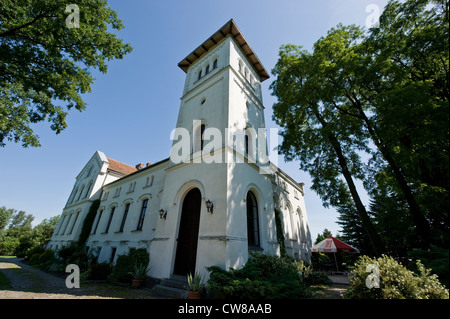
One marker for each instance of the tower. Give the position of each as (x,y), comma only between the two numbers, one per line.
(219,147)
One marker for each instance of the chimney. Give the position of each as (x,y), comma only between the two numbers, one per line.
(140,166)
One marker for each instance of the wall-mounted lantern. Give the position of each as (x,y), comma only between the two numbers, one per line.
(162,213)
(209,206)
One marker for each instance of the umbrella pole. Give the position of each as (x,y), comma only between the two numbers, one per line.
(337,269)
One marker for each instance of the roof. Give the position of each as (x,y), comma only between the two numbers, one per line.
(230,28)
(120,167)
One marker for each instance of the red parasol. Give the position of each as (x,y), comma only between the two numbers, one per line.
(333,245)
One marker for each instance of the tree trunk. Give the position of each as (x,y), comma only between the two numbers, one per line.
(422,225)
(362,213)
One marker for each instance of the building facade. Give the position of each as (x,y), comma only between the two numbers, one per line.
(216,197)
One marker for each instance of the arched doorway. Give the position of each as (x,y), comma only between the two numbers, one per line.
(186,253)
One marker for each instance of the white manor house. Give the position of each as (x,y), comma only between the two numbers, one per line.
(212,204)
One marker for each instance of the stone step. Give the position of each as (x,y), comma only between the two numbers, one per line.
(164,291)
(173,287)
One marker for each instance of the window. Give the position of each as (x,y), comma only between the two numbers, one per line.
(202,132)
(131,188)
(81,192)
(74,195)
(207,69)
(199,75)
(199,129)
(113,254)
(98,220)
(89,171)
(124,218)
(246,144)
(215,64)
(142,215)
(252,220)
(61,224)
(73,225)
(88,189)
(110,219)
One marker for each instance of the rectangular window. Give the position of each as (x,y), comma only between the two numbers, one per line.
(113,254)
(124,218)
(142,215)
(110,219)
(202,132)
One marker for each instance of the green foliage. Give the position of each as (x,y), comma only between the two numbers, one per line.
(100,271)
(47,255)
(436,258)
(195,282)
(311,276)
(76,254)
(280,233)
(18,237)
(45,65)
(263,276)
(125,265)
(396,281)
(88,222)
(383,89)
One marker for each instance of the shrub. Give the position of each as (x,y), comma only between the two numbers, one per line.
(100,271)
(76,254)
(436,258)
(34,259)
(263,276)
(125,264)
(47,255)
(396,281)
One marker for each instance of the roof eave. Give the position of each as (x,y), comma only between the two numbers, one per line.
(229,28)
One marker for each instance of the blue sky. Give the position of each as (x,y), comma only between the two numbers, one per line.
(133,108)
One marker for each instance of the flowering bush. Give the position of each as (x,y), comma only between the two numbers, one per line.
(394,281)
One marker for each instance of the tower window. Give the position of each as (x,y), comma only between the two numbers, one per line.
(199,74)
(202,131)
(252,220)
(215,64)
(207,69)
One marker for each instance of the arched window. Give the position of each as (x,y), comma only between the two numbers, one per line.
(199,75)
(252,220)
(207,69)
(215,64)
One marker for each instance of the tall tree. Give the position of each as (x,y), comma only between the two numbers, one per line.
(382,92)
(325,141)
(47,51)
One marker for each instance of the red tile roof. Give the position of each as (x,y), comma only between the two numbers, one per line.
(120,167)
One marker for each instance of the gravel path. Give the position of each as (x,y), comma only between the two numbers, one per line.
(28,282)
